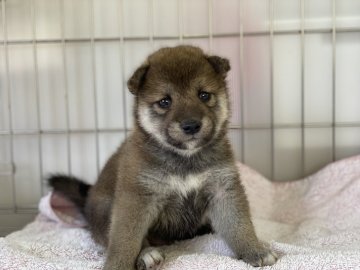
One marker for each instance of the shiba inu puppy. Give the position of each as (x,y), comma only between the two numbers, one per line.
(175,176)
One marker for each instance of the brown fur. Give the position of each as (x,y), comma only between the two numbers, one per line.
(163,185)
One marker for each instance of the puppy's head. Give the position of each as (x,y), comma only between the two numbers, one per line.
(181,97)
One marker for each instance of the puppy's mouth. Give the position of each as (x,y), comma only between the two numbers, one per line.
(179,139)
(186,144)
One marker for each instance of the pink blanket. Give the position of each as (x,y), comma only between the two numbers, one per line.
(313,223)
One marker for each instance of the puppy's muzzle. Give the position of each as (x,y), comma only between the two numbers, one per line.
(190,126)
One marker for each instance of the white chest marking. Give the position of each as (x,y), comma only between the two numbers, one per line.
(185,185)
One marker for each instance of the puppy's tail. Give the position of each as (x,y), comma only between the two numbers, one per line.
(71,187)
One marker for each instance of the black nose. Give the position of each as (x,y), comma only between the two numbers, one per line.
(190,126)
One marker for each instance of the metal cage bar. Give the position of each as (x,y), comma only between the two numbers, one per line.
(122,63)
(271,49)
(210,24)
(302,61)
(190,37)
(36,85)
(239,127)
(242,78)
(66,90)
(180,9)
(9,105)
(94,83)
(333,80)
(151,23)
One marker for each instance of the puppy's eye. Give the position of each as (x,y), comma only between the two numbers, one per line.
(204,96)
(165,102)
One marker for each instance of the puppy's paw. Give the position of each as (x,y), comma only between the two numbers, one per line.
(150,259)
(260,257)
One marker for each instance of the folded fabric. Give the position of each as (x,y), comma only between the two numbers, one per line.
(312,223)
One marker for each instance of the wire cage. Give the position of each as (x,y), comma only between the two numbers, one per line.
(64,105)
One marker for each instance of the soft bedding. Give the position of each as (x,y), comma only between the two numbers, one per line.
(312,223)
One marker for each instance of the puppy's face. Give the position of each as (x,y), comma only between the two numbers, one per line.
(181,97)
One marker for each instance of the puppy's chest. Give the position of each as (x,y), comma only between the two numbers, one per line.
(162,184)
(182,207)
(184,185)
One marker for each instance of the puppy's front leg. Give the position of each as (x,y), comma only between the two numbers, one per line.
(230,217)
(131,217)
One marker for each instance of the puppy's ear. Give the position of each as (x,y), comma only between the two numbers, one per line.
(137,80)
(220,65)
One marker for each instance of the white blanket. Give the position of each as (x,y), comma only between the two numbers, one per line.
(313,223)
